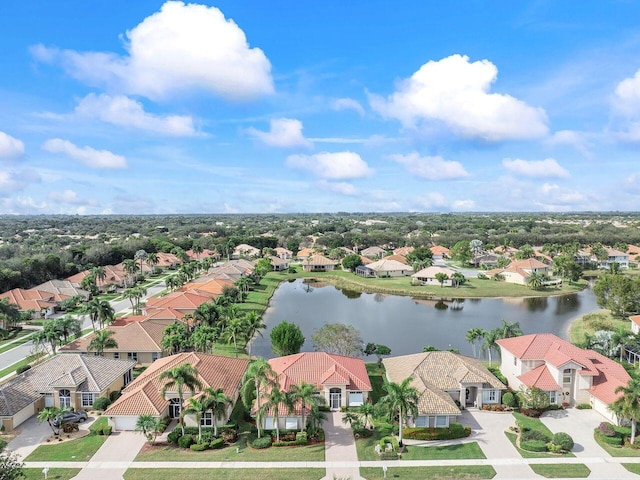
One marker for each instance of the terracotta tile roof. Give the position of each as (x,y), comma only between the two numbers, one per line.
(616,253)
(132,337)
(143,395)
(209,285)
(365,260)
(430,272)
(90,373)
(528,264)
(633,250)
(32,299)
(305,252)
(396,258)
(404,251)
(122,321)
(318,260)
(283,251)
(635,319)
(611,375)
(179,300)
(167,259)
(540,377)
(164,314)
(440,250)
(205,253)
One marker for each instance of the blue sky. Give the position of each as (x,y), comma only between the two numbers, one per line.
(283,106)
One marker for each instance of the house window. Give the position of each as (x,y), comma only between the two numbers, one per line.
(515,361)
(291,423)
(116,355)
(207,419)
(422,421)
(441,421)
(87,399)
(132,356)
(127,377)
(553,397)
(490,396)
(154,356)
(65,398)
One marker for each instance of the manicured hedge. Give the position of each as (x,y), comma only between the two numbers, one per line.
(584,406)
(455,430)
(185,441)
(199,447)
(534,446)
(563,440)
(509,399)
(260,443)
(529,435)
(295,443)
(389,439)
(101,403)
(174,436)
(217,443)
(616,441)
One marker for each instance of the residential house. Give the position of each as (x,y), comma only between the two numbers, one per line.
(339,381)
(144,396)
(567,374)
(397,258)
(284,253)
(318,263)
(487,259)
(634,252)
(206,253)
(245,251)
(42,304)
(384,268)
(62,381)
(519,271)
(445,381)
(439,252)
(137,341)
(184,302)
(115,277)
(231,270)
(635,324)
(168,260)
(305,253)
(210,287)
(404,251)
(615,256)
(427,276)
(62,288)
(278,264)
(374,252)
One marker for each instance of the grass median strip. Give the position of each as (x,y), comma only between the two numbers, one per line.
(561,470)
(429,473)
(54,473)
(225,473)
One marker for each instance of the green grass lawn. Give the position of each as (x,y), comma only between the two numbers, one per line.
(429,473)
(526,454)
(225,473)
(561,470)
(98,424)
(54,473)
(617,451)
(594,321)
(376,377)
(22,333)
(80,450)
(532,424)
(21,363)
(474,288)
(8,346)
(632,467)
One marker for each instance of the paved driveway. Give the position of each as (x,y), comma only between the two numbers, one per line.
(579,424)
(30,434)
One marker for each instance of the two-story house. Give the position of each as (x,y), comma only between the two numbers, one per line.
(568,374)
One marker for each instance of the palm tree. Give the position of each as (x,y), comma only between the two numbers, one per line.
(217,402)
(106,314)
(259,374)
(135,295)
(366,411)
(401,398)
(442,277)
(180,376)
(149,426)
(130,268)
(473,335)
(536,281)
(49,414)
(273,400)
(197,250)
(198,407)
(141,256)
(152,261)
(304,393)
(490,338)
(509,329)
(236,329)
(458,278)
(99,274)
(628,405)
(254,325)
(70,326)
(101,341)
(203,338)
(621,337)
(98,310)
(316,417)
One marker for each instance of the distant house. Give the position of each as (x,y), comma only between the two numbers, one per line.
(562,370)
(374,252)
(615,256)
(206,253)
(40,303)
(211,287)
(278,264)
(397,258)
(442,379)
(339,381)
(519,271)
(439,252)
(404,251)
(633,251)
(384,268)
(137,341)
(305,253)
(115,276)
(635,324)
(70,380)
(185,302)
(318,263)
(489,259)
(427,276)
(144,396)
(283,253)
(62,288)
(168,260)
(245,251)
(231,270)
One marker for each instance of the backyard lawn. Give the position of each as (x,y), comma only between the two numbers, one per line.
(561,470)
(594,321)
(429,473)
(225,473)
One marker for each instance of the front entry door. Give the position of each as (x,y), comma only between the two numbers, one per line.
(174,408)
(335,399)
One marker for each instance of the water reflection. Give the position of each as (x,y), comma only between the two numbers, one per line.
(536,304)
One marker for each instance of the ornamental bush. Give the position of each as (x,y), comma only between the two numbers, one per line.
(185,441)
(529,435)
(106,430)
(389,439)
(534,446)
(584,406)
(101,403)
(455,430)
(199,447)
(174,436)
(509,399)
(563,440)
(217,443)
(260,443)
(606,429)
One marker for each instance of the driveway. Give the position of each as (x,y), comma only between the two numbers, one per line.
(30,435)
(579,424)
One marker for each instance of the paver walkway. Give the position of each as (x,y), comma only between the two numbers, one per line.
(340,449)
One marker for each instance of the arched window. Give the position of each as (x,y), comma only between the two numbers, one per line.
(65,398)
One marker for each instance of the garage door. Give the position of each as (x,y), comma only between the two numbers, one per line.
(125,423)
(22,415)
(356,399)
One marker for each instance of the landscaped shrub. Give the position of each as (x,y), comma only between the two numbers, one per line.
(301,437)
(199,447)
(584,406)
(229,436)
(185,441)
(534,446)
(216,443)
(362,433)
(292,443)
(113,396)
(22,369)
(107,430)
(606,429)
(391,440)
(529,435)
(509,399)
(455,430)
(101,403)
(260,443)
(174,436)
(616,441)
(563,440)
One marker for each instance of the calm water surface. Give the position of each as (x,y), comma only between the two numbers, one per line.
(406,325)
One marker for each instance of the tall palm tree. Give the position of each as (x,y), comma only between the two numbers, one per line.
(49,414)
(305,394)
(366,411)
(274,399)
(141,256)
(490,338)
(255,325)
(152,261)
(259,374)
(217,402)
(197,406)
(236,329)
(101,341)
(130,268)
(401,398)
(184,375)
(197,250)
(473,335)
(509,329)
(99,274)
(98,310)
(70,326)
(628,405)
(203,338)
(621,337)
(149,426)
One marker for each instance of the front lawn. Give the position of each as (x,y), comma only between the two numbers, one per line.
(79,450)
(225,473)
(429,473)
(54,473)
(366,448)
(561,470)
(527,454)
(632,467)
(618,451)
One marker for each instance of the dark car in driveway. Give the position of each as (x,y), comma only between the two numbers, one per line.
(70,417)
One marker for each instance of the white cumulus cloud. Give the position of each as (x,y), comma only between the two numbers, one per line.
(183,47)
(10,147)
(331,166)
(123,111)
(348,104)
(456,93)
(626,98)
(342,188)
(431,168)
(463,205)
(547,168)
(86,155)
(283,132)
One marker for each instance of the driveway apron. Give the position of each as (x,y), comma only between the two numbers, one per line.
(340,449)
(114,457)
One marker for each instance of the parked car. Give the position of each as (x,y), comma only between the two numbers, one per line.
(70,417)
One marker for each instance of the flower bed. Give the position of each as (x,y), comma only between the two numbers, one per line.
(455,430)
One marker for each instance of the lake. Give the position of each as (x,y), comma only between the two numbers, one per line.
(406,325)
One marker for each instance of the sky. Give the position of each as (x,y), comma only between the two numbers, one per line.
(247,106)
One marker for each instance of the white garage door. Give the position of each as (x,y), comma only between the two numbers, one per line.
(125,423)
(356,399)
(22,415)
